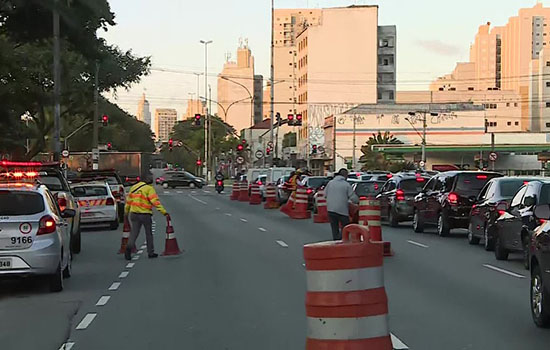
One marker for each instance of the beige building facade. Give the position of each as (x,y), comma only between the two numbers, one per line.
(165,120)
(194,107)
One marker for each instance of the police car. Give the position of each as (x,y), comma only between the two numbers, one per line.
(97,204)
(34,233)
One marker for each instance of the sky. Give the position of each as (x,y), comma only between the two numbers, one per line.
(432,35)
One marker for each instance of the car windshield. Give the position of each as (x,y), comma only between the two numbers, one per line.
(90,191)
(471,184)
(367,188)
(316,182)
(509,187)
(412,185)
(53,183)
(20,203)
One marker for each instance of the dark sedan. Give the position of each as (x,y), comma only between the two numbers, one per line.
(175,179)
(540,269)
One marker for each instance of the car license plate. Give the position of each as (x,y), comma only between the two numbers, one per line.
(5,264)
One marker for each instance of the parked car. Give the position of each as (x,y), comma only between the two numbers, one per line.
(282,193)
(115,183)
(35,238)
(447,199)
(97,204)
(540,267)
(514,228)
(492,202)
(173,179)
(397,197)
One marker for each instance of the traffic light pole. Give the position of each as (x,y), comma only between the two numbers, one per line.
(57,84)
(272,69)
(95,149)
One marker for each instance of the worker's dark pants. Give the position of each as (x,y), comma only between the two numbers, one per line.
(136,221)
(335,221)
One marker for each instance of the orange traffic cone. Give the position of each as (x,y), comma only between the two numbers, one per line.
(125,236)
(171,246)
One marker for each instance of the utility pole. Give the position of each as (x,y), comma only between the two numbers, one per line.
(207,118)
(272,74)
(334,143)
(57,84)
(424,127)
(354,139)
(95,142)
(211,132)
(492,150)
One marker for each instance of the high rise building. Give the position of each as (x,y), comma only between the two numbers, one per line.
(165,119)
(258,98)
(143,111)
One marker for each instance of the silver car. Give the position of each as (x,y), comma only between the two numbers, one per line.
(34,235)
(97,204)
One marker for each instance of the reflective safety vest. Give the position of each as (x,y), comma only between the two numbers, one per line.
(141,199)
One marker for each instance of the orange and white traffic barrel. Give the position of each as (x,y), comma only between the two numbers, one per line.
(346,301)
(374,223)
(322,212)
(289,205)
(235,191)
(243,193)
(301,208)
(255,194)
(364,211)
(271,197)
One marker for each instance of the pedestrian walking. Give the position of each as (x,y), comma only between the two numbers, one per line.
(339,193)
(139,207)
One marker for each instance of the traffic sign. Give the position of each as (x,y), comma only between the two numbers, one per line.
(493,156)
(180,144)
(65,153)
(321,149)
(422,163)
(240,160)
(270,144)
(259,154)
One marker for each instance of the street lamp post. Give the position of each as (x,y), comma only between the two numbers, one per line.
(207,118)
(250,96)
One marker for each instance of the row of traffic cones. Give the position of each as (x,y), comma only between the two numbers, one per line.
(171,245)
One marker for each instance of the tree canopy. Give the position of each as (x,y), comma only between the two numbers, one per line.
(373,160)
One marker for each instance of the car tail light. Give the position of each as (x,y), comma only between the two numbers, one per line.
(62,202)
(309,191)
(453,198)
(501,208)
(110,201)
(542,221)
(400,195)
(259,183)
(420,179)
(138,178)
(481,177)
(376,187)
(389,176)
(46,225)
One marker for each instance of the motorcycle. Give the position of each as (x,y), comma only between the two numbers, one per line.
(219,186)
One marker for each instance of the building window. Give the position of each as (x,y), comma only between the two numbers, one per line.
(547,63)
(384,43)
(516,123)
(441,89)
(379,95)
(547,104)
(470,89)
(548,125)
(548,84)
(507,104)
(386,62)
(391,95)
(515,104)
(509,123)
(452,89)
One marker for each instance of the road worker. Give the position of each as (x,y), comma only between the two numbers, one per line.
(339,193)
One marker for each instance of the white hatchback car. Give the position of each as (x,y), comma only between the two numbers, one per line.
(34,235)
(97,204)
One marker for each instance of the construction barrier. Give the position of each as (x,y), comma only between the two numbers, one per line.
(322,213)
(171,246)
(243,193)
(289,205)
(125,236)
(374,222)
(236,190)
(364,211)
(255,195)
(271,197)
(301,208)
(346,301)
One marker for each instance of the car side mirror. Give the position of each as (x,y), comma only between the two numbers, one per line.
(542,211)
(68,213)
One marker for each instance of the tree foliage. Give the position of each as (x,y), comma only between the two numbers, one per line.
(373,160)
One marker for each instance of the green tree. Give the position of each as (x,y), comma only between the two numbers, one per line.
(373,160)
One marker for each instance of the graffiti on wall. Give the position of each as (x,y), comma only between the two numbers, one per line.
(316,119)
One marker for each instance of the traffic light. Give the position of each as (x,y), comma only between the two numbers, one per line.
(199,162)
(298,121)
(240,148)
(268,151)
(198,119)
(314,149)
(105,120)
(278,118)
(291,119)
(170,145)
(243,142)
(109,146)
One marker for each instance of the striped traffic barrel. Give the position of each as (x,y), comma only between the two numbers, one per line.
(372,215)
(322,212)
(271,197)
(301,207)
(235,191)
(346,302)
(243,193)
(255,194)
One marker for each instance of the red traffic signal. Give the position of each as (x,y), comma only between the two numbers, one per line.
(105,120)
(268,151)
(290,119)
(199,162)
(109,146)
(171,144)
(298,120)
(314,149)
(243,142)
(240,148)
(198,119)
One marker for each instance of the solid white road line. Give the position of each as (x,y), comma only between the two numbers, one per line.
(228,214)
(114,286)
(282,244)
(86,321)
(498,269)
(398,344)
(262,229)
(130,265)
(67,346)
(123,274)
(198,200)
(103,300)
(140,251)
(418,244)
(244,220)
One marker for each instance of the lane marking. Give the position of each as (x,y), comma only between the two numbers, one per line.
(114,286)
(166,192)
(397,344)
(244,220)
(228,214)
(130,265)
(143,246)
(140,251)
(205,191)
(418,244)
(262,229)
(217,208)
(198,200)
(136,257)
(86,321)
(180,192)
(123,274)
(282,244)
(67,346)
(498,269)
(103,300)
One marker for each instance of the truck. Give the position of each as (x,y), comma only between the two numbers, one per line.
(129,165)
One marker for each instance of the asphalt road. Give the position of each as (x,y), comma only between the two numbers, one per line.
(241,284)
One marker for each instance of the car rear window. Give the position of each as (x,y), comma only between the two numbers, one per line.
(412,185)
(317,182)
(90,191)
(53,183)
(544,194)
(367,188)
(15,203)
(366,177)
(472,183)
(508,188)
(110,179)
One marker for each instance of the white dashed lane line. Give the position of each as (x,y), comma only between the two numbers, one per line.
(67,346)
(417,244)
(498,269)
(123,274)
(262,229)
(244,220)
(198,200)
(398,344)
(103,300)
(282,244)
(114,286)
(86,321)
(140,251)
(130,265)
(136,257)
(180,192)
(228,214)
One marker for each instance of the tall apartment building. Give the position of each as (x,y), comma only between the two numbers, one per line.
(258,98)
(194,107)
(505,58)
(237,88)
(165,119)
(144,111)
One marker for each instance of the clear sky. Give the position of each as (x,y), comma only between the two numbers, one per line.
(432,36)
